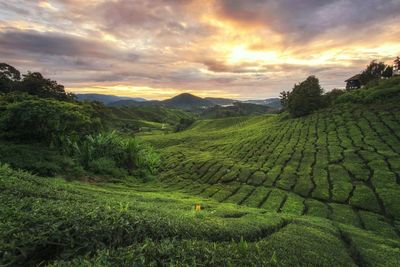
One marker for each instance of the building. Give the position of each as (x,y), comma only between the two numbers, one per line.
(396,71)
(354,82)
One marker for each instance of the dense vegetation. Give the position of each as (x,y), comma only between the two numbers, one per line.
(50,221)
(38,113)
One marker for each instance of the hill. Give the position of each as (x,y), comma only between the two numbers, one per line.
(141,119)
(183,101)
(344,160)
(236,110)
(187,101)
(220,101)
(320,190)
(106,99)
(271,102)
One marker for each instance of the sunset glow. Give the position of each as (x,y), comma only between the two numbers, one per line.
(159,48)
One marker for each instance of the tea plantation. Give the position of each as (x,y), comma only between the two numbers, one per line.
(321,190)
(48,221)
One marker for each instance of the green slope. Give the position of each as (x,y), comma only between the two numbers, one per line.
(51,221)
(342,164)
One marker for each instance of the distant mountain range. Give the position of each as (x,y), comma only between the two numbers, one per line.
(183,101)
(106,99)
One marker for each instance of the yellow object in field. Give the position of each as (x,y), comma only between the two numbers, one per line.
(197,207)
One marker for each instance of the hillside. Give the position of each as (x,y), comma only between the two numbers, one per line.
(236,110)
(274,103)
(320,190)
(187,101)
(220,101)
(342,164)
(57,223)
(142,118)
(106,99)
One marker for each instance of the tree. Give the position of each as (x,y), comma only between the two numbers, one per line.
(29,118)
(35,84)
(388,72)
(9,76)
(373,71)
(396,64)
(284,98)
(330,97)
(305,98)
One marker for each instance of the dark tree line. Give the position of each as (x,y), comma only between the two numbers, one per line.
(32,83)
(375,70)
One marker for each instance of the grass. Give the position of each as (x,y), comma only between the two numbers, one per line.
(320,190)
(131,223)
(342,163)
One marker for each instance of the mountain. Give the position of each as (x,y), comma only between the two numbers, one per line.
(220,101)
(187,101)
(133,103)
(106,99)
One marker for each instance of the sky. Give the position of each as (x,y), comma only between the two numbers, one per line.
(242,49)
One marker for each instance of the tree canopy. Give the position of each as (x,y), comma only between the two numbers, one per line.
(375,70)
(305,97)
(32,83)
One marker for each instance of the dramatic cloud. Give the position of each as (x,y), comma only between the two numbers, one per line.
(231,48)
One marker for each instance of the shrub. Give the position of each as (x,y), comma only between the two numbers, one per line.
(109,153)
(27,118)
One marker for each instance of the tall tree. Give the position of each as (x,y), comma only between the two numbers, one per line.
(396,64)
(305,97)
(284,98)
(373,71)
(35,84)
(9,78)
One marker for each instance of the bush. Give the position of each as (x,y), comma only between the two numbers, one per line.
(27,118)
(375,91)
(38,159)
(111,154)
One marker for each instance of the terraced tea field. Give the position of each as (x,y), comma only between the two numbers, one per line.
(342,164)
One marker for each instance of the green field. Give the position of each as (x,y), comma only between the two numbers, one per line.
(342,164)
(321,190)
(51,221)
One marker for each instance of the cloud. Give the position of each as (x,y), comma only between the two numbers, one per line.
(252,48)
(304,20)
(59,44)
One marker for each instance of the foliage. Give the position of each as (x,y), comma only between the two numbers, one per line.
(140,119)
(284,99)
(235,110)
(305,97)
(58,223)
(330,97)
(109,153)
(375,70)
(32,83)
(397,63)
(9,76)
(184,124)
(39,159)
(375,91)
(28,118)
(345,158)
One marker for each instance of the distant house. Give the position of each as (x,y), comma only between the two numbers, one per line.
(396,71)
(353,82)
